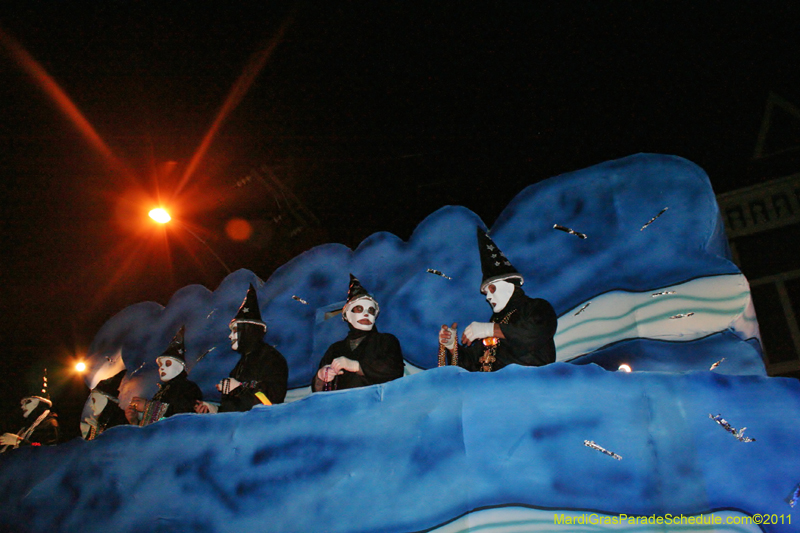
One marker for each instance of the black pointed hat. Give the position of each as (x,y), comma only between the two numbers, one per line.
(249,312)
(494,264)
(356,291)
(176,348)
(41,393)
(110,386)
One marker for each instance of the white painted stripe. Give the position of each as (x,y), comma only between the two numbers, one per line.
(684,312)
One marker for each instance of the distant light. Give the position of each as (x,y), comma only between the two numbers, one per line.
(80,367)
(624,368)
(238,229)
(160,215)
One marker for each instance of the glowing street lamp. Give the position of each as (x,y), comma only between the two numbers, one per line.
(80,367)
(161,216)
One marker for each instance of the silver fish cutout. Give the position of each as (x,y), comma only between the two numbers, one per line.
(587,304)
(732,430)
(438,273)
(593,445)
(664,293)
(792,499)
(140,367)
(570,231)
(654,218)
(205,354)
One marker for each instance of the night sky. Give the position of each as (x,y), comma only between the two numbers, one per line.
(330,121)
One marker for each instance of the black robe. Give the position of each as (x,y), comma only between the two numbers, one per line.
(178,395)
(528,335)
(112,415)
(262,369)
(44,434)
(379,355)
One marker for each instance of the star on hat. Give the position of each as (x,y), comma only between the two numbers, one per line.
(176,348)
(248,312)
(494,270)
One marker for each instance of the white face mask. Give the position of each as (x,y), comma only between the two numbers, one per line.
(28,405)
(498,294)
(99,402)
(168,368)
(234,337)
(361,314)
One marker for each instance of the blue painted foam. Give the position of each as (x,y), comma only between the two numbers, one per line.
(423,450)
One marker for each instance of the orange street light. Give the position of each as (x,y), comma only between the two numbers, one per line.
(80,367)
(160,215)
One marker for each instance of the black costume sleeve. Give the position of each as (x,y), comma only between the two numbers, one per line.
(275,384)
(387,363)
(184,402)
(468,355)
(272,382)
(45,434)
(379,356)
(112,415)
(531,336)
(267,373)
(528,336)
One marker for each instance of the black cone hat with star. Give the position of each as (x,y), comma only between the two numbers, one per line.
(110,386)
(249,312)
(356,291)
(40,392)
(176,348)
(494,264)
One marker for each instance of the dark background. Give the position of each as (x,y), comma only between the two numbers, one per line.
(365,117)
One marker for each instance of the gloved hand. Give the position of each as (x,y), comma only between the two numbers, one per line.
(9,439)
(137,404)
(477,330)
(448,336)
(202,408)
(326,374)
(131,414)
(344,364)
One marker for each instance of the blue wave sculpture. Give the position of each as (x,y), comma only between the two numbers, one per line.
(523,449)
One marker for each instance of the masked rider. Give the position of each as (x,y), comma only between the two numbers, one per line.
(520,330)
(365,356)
(176,394)
(260,377)
(42,428)
(106,412)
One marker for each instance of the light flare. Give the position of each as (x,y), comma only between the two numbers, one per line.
(238,229)
(160,215)
(62,101)
(238,91)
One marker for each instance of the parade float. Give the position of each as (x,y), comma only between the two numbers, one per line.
(631,253)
